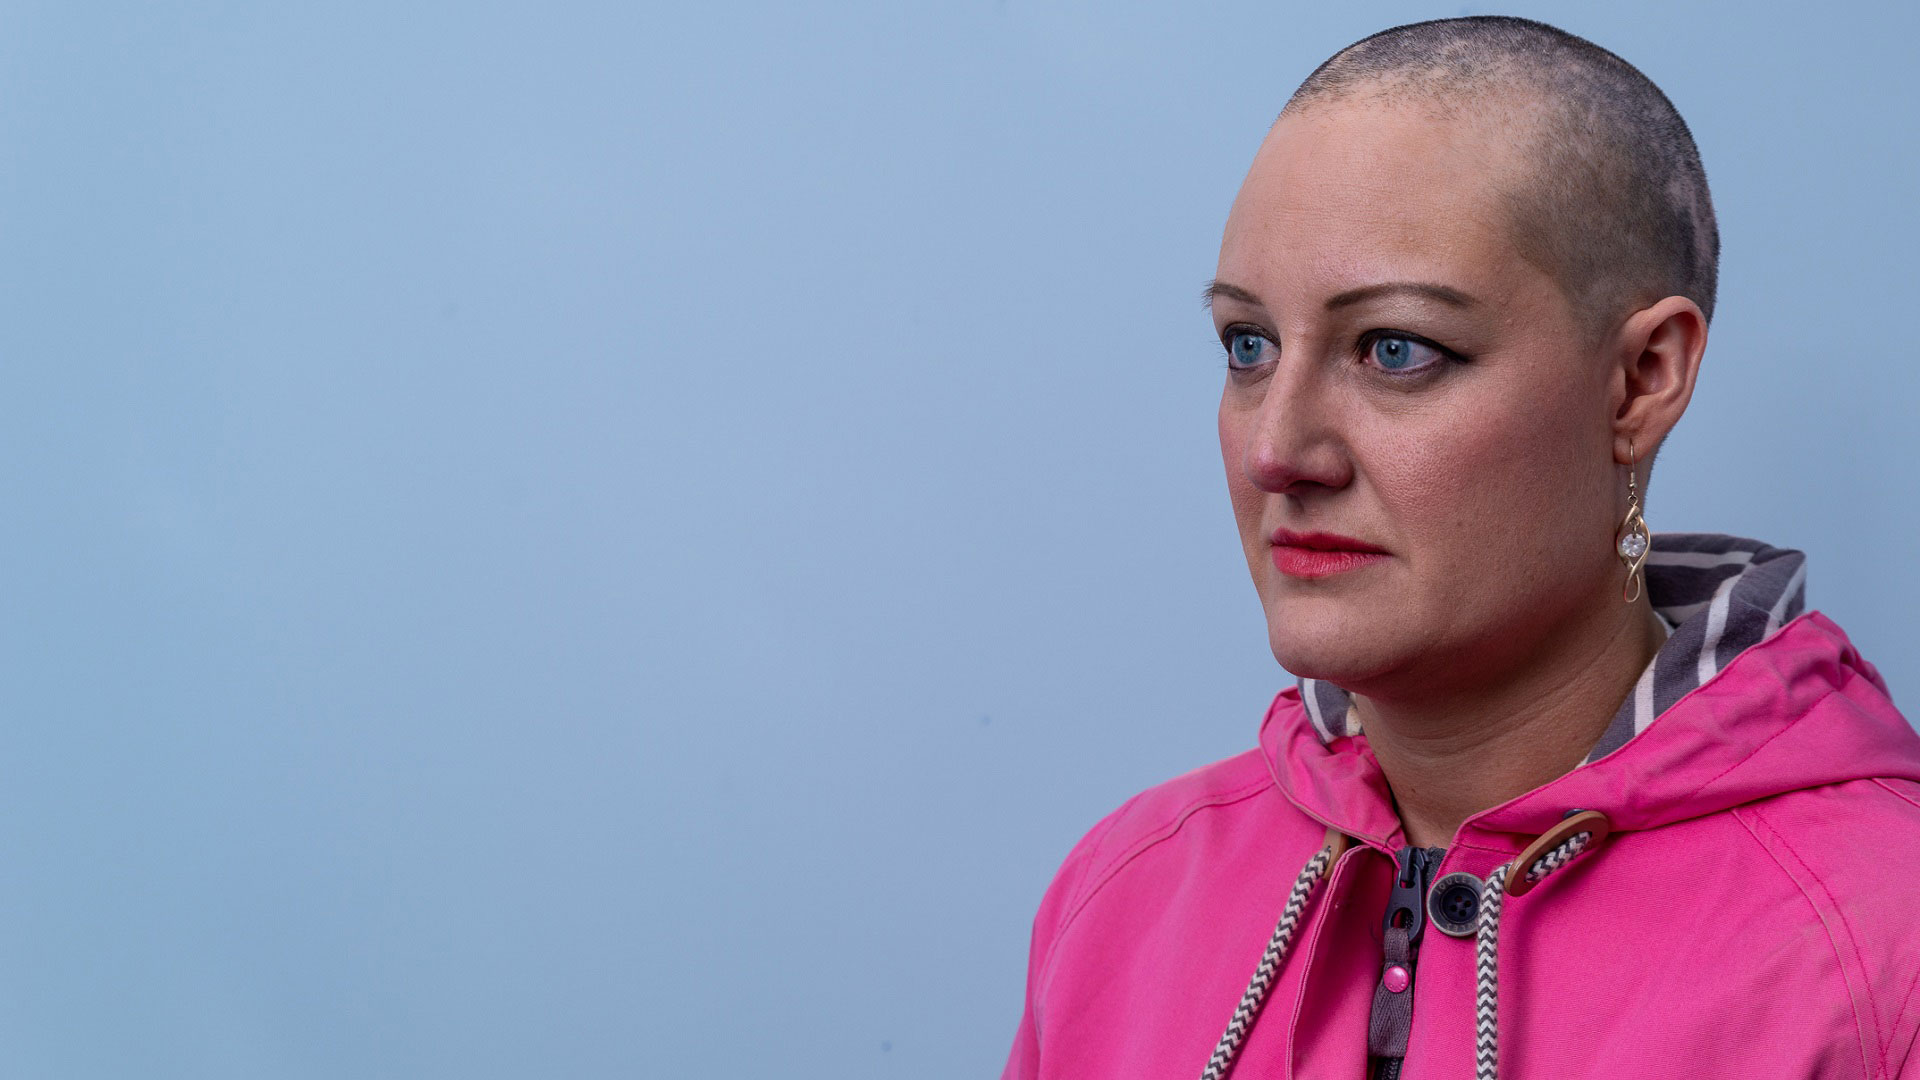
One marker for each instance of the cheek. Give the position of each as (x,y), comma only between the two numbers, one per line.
(1486,482)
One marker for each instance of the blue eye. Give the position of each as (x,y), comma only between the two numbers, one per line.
(1244,349)
(1403,353)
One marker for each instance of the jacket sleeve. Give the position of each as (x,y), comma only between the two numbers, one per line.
(1056,909)
(1907,1032)
(1910,1070)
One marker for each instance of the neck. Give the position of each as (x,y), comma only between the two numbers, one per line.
(1449,756)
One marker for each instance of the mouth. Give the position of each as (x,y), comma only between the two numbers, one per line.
(1320,554)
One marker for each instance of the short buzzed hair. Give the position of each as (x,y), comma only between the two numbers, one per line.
(1615,204)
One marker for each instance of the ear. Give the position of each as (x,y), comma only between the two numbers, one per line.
(1658,353)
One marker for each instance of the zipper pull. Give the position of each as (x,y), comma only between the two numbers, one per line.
(1390,1024)
(1407,903)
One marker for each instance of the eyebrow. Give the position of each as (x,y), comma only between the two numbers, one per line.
(1217,288)
(1449,296)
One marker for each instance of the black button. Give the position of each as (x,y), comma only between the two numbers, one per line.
(1454,904)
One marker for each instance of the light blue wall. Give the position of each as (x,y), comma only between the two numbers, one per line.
(582,540)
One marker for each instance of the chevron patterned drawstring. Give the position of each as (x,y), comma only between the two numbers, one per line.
(1262,981)
(1486,990)
(1593,828)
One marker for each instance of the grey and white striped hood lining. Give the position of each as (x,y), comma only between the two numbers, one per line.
(1718,595)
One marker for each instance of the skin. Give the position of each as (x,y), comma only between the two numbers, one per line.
(1490,649)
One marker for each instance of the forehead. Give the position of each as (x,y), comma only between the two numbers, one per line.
(1352,192)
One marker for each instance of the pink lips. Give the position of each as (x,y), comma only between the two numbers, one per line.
(1319,554)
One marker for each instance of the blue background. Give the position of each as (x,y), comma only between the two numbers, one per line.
(592,540)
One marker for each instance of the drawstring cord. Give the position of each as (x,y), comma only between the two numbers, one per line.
(1486,983)
(1262,981)
(1486,989)
(1579,831)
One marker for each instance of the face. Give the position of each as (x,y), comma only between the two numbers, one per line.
(1399,379)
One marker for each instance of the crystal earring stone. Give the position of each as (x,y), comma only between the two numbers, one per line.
(1633,545)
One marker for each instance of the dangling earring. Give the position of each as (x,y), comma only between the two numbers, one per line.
(1633,536)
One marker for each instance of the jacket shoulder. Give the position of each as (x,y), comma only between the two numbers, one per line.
(1110,899)
(1854,845)
(1856,836)
(1171,811)
(1852,851)
(1161,812)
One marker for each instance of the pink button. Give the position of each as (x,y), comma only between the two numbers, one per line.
(1396,979)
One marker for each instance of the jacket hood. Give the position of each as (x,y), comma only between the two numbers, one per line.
(1748,698)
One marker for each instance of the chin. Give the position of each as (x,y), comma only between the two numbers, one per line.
(1339,647)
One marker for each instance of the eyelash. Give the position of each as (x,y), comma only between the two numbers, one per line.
(1362,347)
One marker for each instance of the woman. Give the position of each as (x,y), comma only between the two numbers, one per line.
(1554,796)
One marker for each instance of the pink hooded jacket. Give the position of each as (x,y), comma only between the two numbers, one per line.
(1747,902)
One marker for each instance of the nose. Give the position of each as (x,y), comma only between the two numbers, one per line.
(1292,444)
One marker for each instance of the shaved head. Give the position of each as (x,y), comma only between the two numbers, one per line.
(1606,192)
